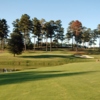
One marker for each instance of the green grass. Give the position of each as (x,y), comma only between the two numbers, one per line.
(93,51)
(73,81)
(30,59)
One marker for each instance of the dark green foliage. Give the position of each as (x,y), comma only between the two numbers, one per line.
(3,31)
(97,31)
(16,25)
(59,31)
(36,28)
(93,52)
(25,26)
(29,46)
(86,35)
(3,28)
(25,23)
(15,44)
(50,28)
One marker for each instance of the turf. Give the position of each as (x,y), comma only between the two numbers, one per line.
(36,59)
(73,81)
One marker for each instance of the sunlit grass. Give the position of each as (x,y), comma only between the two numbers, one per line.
(31,59)
(73,81)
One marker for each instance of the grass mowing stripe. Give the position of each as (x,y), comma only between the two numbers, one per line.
(72,81)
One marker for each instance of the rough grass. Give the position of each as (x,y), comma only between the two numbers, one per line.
(38,59)
(73,81)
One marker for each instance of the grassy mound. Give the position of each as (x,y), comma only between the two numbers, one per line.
(35,60)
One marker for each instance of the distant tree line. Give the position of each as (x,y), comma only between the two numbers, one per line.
(81,34)
(24,29)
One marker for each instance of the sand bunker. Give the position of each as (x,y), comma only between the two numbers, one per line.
(83,56)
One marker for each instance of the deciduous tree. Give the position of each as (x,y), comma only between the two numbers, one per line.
(76,28)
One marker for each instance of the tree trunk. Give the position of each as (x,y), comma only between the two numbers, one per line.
(94,47)
(34,43)
(25,44)
(50,43)
(76,46)
(24,40)
(46,43)
(38,41)
(41,42)
(83,43)
(99,43)
(57,43)
(2,43)
(72,42)
(61,42)
(14,54)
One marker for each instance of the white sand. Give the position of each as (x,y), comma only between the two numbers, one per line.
(83,56)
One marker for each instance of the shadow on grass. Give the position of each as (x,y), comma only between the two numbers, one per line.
(47,56)
(19,77)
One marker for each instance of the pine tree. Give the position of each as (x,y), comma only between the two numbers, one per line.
(3,31)
(25,25)
(15,43)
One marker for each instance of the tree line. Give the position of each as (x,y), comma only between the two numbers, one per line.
(24,29)
(82,34)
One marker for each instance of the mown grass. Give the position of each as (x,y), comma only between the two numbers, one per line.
(38,59)
(73,81)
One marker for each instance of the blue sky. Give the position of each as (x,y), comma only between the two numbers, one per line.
(86,11)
